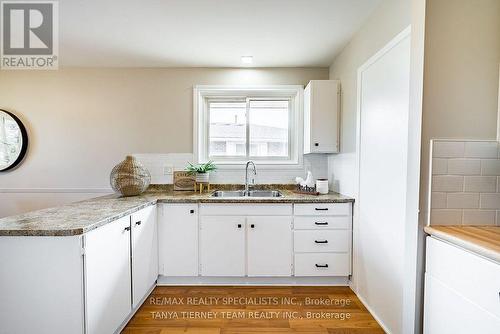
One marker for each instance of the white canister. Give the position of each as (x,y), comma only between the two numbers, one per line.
(322,186)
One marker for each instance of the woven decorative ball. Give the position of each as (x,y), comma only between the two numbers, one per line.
(130,177)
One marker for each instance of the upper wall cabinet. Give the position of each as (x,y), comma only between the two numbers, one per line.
(321,116)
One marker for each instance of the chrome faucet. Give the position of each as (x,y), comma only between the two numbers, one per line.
(246,176)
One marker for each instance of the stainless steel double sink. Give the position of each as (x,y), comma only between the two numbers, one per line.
(242,193)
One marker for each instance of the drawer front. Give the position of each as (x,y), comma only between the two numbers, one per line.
(322,264)
(322,241)
(246,209)
(323,209)
(470,275)
(322,223)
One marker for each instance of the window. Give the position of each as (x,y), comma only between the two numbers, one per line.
(233,125)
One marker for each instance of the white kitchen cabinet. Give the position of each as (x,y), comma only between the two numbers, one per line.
(461,291)
(107,276)
(222,246)
(144,253)
(178,239)
(321,116)
(269,245)
(41,285)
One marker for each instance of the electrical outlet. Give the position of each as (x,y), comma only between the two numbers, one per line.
(168,170)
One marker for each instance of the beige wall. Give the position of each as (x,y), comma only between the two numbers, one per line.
(462,56)
(390,18)
(81,122)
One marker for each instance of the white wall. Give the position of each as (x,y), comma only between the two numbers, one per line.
(462,57)
(81,122)
(390,18)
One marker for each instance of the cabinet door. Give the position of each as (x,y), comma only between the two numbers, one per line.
(222,246)
(107,275)
(321,115)
(178,239)
(447,312)
(144,253)
(269,246)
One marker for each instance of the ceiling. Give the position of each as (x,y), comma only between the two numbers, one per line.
(207,33)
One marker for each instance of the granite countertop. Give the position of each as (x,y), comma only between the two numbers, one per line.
(81,217)
(482,240)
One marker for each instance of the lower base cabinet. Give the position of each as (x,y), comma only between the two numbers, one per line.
(107,279)
(269,246)
(462,291)
(222,246)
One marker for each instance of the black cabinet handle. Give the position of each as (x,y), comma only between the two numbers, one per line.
(321,241)
(127,228)
(138,223)
(252,225)
(321,209)
(320,223)
(316,144)
(191,211)
(321,265)
(239,225)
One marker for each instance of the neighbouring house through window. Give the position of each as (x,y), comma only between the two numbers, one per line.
(236,125)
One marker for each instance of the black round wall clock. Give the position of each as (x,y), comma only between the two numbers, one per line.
(13,141)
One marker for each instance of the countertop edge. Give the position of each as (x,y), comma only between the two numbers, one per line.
(465,244)
(83,230)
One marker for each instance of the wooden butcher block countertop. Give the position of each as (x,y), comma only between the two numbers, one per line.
(482,240)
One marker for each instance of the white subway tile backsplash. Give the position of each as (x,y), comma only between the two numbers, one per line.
(448,149)
(480,184)
(462,201)
(446,217)
(481,149)
(490,167)
(479,217)
(464,167)
(490,201)
(465,180)
(155,162)
(447,183)
(438,200)
(439,166)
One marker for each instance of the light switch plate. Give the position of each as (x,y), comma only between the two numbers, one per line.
(168,170)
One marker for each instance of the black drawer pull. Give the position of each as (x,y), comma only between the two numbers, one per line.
(321,265)
(138,223)
(252,225)
(239,225)
(320,223)
(127,228)
(191,211)
(321,241)
(316,144)
(321,209)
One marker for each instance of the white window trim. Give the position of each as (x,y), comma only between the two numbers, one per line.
(295,92)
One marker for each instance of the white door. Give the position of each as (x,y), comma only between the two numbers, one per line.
(144,252)
(178,239)
(269,246)
(107,276)
(383,85)
(222,246)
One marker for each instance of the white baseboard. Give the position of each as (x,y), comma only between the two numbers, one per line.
(259,281)
(374,315)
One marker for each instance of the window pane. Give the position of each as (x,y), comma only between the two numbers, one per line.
(269,126)
(227,129)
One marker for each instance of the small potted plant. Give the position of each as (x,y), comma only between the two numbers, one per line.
(201,171)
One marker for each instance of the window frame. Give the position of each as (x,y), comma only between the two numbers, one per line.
(203,95)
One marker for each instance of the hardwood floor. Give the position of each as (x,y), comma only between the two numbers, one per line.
(246,310)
